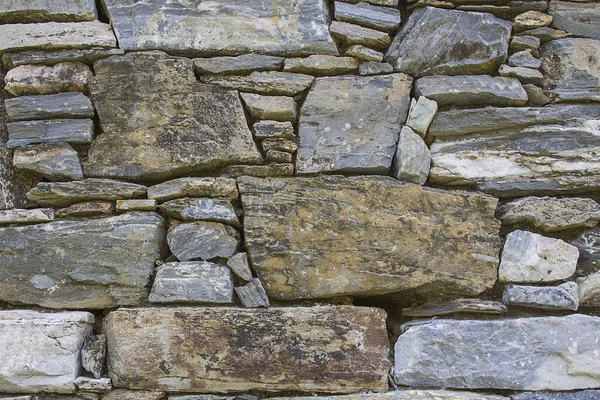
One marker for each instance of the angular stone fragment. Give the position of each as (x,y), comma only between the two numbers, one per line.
(589,291)
(525,42)
(545,34)
(435,41)
(88,56)
(121,394)
(267,83)
(262,170)
(458,306)
(531,20)
(369,16)
(536,96)
(93,354)
(74,131)
(321,65)
(421,114)
(42,79)
(136,205)
(372,226)
(41,351)
(579,395)
(98,385)
(240,266)
(204,240)
(89,264)
(520,6)
(580,19)
(240,65)
(363,53)
(354,34)
(87,209)
(351,124)
(588,243)
(253,294)
(203,209)
(55,35)
(54,161)
(194,187)
(412,158)
(471,90)
(561,297)
(273,129)
(32,11)
(278,108)
(551,214)
(375,68)
(524,59)
(542,354)
(406,395)
(276,156)
(23,216)
(192,282)
(529,257)
(525,75)
(339,349)
(62,105)
(279,144)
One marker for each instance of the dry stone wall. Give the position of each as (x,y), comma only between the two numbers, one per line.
(308,199)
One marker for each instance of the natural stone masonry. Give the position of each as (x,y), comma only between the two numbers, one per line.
(18,11)
(334,349)
(403,395)
(74,131)
(334,236)
(63,105)
(43,79)
(580,19)
(561,297)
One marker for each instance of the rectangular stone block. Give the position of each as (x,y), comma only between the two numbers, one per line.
(32,11)
(73,131)
(61,105)
(218,350)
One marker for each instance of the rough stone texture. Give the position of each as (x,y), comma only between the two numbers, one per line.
(191,28)
(545,34)
(121,394)
(63,105)
(589,291)
(40,352)
(31,11)
(421,114)
(204,240)
(87,209)
(351,124)
(22,216)
(136,205)
(93,354)
(193,187)
(92,264)
(363,53)
(465,43)
(375,68)
(42,79)
(551,214)
(340,349)
(536,96)
(531,20)
(580,19)
(458,306)
(54,161)
(66,193)
(203,209)
(253,294)
(525,75)
(268,83)
(350,34)
(588,243)
(275,169)
(157,122)
(412,158)
(240,266)
(74,131)
(12,60)
(542,354)
(561,297)
(100,385)
(240,65)
(56,35)
(192,282)
(579,395)
(278,108)
(273,129)
(526,42)
(405,395)
(321,65)
(524,59)
(375,228)
(369,16)
(529,257)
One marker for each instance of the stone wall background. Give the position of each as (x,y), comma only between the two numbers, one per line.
(203,200)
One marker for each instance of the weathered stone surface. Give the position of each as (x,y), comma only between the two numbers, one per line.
(42,79)
(351,124)
(531,20)
(136,205)
(227,27)
(62,105)
(139,96)
(203,209)
(253,294)
(363,53)
(91,264)
(74,131)
(194,187)
(276,156)
(267,83)
(369,16)
(54,161)
(87,209)
(31,11)
(412,158)
(525,42)
(588,243)
(321,65)
(435,41)
(421,114)
(471,90)
(545,34)
(589,291)
(375,228)
(67,193)
(536,96)
(561,297)
(529,257)
(580,19)
(273,129)
(240,65)
(41,351)
(203,240)
(98,385)
(275,169)
(240,266)
(121,394)
(314,349)
(458,306)
(12,60)
(279,144)
(22,216)
(56,35)
(350,34)
(525,75)
(542,354)
(524,59)
(192,282)
(498,11)
(579,395)
(572,69)
(278,108)
(386,3)
(93,354)
(406,395)
(551,214)
(375,68)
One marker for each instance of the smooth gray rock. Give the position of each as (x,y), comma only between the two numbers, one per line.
(375,68)
(202,209)
(273,129)
(41,351)
(524,59)
(458,306)
(529,257)
(73,131)
(203,240)
(471,90)
(240,65)
(192,282)
(367,15)
(54,161)
(87,264)
(350,34)
(412,159)
(525,75)
(26,216)
(363,53)
(61,194)
(579,395)
(88,56)
(321,65)
(542,356)
(62,105)
(93,354)
(240,266)
(434,41)
(561,297)
(278,108)
(42,79)
(253,294)
(589,290)
(580,19)
(336,115)
(227,27)
(271,83)
(421,114)
(33,11)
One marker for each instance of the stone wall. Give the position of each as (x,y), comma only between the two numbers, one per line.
(243,199)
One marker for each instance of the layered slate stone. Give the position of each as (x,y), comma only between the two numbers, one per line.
(334,236)
(331,349)
(561,297)
(32,11)
(436,41)
(205,28)
(62,105)
(41,351)
(55,162)
(158,123)
(352,124)
(90,264)
(580,19)
(74,131)
(42,79)
(542,354)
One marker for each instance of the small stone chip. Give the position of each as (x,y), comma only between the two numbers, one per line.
(136,205)
(240,266)
(93,354)
(253,294)
(273,129)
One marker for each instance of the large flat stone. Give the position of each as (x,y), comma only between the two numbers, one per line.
(23,216)
(542,356)
(435,41)
(580,19)
(205,28)
(402,395)
(194,187)
(271,83)
(62,105)
(32,11)
(87,264)
(334,236)
(74,131)
(316,349)
(41,351)
(158,123)
(370,16)
(352,124)
(55,162)
(43,79)
(12,60)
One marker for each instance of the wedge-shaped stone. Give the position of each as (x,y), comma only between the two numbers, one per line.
(589,290)
(267,83)
(240,65)
(561,297)
(31,11)
(253,294)
(136,205)
(458,306)
(41,351)
(421,114)
(435,41)
(26,216)
(194,187)
(404,395)
(74,131)
(305,349)
(524,59)
(88,264)
(43,79)
(159,123)
(412,159)
(542,354)
(190,209)
(240,266)
(354,34)
(278,108)
(54,161)
(580,19)
(203,240)
(227,27)
(334,236)
(352,124)
(364,14)
(62,105)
